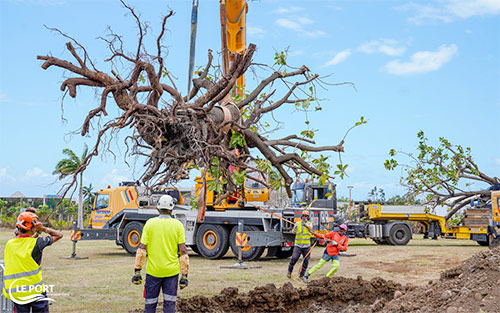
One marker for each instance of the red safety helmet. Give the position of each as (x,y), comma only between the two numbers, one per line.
(305,213)
(25,220)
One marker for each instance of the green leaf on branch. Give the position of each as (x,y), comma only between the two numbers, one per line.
(237,140)
(238,177)
(341,170)
(308,134)
(279,58)
(361,121)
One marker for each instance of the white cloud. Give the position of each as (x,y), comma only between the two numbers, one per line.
(388,47)
(450,10)
(297,24)
(251,30)
(339,57)
(288,10)
(467,8)
(115,177)
(296,52)
(3,97)
(423,61)
(286,23)
(468,31)
(3,173)
(35,172)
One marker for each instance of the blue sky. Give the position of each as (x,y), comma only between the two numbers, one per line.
(421,65)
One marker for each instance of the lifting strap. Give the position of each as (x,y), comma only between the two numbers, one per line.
(192,45)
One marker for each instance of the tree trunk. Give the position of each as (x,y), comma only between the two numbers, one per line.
(80,204)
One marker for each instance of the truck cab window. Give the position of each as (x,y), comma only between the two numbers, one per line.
(101,202)
(250,183)
(298,196)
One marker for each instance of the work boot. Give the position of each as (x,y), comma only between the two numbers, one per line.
(289,275)
(305,279)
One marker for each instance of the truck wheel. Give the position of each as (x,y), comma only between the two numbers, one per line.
(195,249)
(380,241)
(132,236)
(248,253)
(283,254)
(483,243)
(400,235)
(212,241)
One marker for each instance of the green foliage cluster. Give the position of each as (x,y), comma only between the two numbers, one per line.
(376,195)
(435,168)
(61,219)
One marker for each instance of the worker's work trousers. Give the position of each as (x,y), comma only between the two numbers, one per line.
(168,285)
(324,259)
(33,307)
(297,252)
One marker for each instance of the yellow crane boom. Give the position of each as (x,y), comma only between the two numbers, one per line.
(233,34)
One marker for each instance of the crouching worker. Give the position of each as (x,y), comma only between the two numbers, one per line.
(163,237)
(23,283)
(337,241)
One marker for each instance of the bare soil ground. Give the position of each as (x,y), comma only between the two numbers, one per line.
(101,283)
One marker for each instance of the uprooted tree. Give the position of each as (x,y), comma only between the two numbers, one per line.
(176,133)
(445,174)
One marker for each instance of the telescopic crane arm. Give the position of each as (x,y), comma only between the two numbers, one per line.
(233,34)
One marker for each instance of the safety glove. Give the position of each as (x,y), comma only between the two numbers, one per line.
(137,278)
(183,282)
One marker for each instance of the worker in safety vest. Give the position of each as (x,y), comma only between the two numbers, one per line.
(302,230)
(163,237)
(337,241)
(23,282)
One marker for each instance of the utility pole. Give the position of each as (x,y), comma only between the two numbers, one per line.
(350,203)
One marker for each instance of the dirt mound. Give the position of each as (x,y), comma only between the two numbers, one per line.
(326,294)
(473,286)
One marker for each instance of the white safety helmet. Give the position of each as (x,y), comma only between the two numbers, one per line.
(166,202)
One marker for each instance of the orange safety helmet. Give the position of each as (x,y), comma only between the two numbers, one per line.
(25,220)
(305,213)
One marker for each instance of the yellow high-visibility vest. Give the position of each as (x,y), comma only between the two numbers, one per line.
(303,236)
(22,276)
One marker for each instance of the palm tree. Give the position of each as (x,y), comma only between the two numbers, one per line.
(88,195)
(67,167)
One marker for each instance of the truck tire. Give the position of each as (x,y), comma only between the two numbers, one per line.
(212,241)
(249,253)
(380,241)
(399,235)
(195,249)
(483,243)
(132,236)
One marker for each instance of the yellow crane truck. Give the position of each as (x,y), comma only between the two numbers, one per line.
(119,214)
(481,223)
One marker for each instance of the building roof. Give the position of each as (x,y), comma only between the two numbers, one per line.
(17,194)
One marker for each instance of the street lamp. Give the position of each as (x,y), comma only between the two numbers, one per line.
(350,203)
